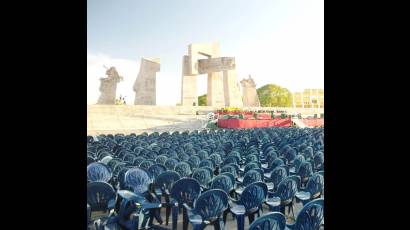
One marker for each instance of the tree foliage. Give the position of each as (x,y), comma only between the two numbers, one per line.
(202,100)
(272,95)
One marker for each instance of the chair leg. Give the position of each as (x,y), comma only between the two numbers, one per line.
(225,215)
(219,224)
(240,222)
(251,217)
(174,218)
(167,210)
(184,219)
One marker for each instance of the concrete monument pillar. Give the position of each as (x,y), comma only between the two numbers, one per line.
(108,87)
(145,84)
(232,93)
(223,89)
(250,95)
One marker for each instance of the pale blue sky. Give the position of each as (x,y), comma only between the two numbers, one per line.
(279,42)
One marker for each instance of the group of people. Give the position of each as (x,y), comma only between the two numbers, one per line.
(120,101)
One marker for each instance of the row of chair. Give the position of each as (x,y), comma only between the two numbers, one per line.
(231,163)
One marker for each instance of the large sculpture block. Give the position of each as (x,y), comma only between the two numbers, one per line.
(223,89)
(108,87)
(232,93)
(216,64)
(250,95)
(145,84)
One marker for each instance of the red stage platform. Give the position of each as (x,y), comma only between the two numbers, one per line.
(238,123)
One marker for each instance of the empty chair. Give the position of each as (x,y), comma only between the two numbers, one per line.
(100,197)
(310,217)
(208,210)
(183,169)
(155,170)
(98,172)
(222,182)
(269,221)
(305,171)
(283,197)
(207,163)
(194,161)
(296,164)
(277,176)
(313,190)
(138,180)
(161,159)
(146,164)
(250,177)
(250,202)
(184,191)
(229,168)
(216,158)
(171,163)
(163,184)
(318,161)
(203,176)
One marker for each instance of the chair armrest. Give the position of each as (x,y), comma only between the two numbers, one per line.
(187,207)
(148,205)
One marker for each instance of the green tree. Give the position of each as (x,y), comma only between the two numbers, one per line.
(202,100)
(272,95)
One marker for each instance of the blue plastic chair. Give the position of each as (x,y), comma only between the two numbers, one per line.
(183,169)
(216,158)
(277,176)
(207,163)
(250,165)
(305,171)
(146,164)
(310,217)
(185,190)
(269,221)
(250,177)
(318,161)
(138,180)
(163,184)
(231,159)
(161,159)
(171,163)
(229,168)
(313,190)
(277,162)
(283,197)
(202,154)
(296,165)
(100,196)
(98,172)
(128,206)
(251,200)
(138,160)
(156,169)
(194,161)
(232,168)
(203,177)
(223,182)
(208,209)
(183,157)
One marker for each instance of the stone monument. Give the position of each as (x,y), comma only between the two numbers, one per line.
(223,89)
(108,87)
(145,84)
(250,95)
